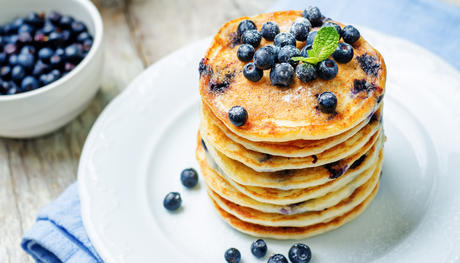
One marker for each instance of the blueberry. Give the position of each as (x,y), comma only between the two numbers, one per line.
(56,73)
(4,87)
(238,116)
(189,177)
(54,17)
(13,60)
(85,35)
(59,52)
(232,255)
(26,60)
(259,248)
(306,72)
(350,34)
(29,83)
(48,28)
(46,79)
(56,61)
(283,39)
(251,37)
(68,67)
(17,23)
(245,25)
(11,39)
(66,22)
(336,26)
(26,29)
(270,30)
(66,36)
(252,73)
(275,50)
(304,51)
(311,36)
(245,52)
(5,73)
(39,68)
(300,253)
(13,88)
(327,102)
(343,53)
(327,69)
(28,50)
(299,30)
(286,53)
(10,49)
(264,58)
(313,14)
(87,44)
(172,201)
(72,53)
(25,38)
(55,39)
(277,258)
(18,73)
(34,19)
(45,54)
(40,39)
(78,27)
(282,74)
(2,58)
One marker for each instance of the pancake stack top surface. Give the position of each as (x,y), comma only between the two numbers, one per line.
(290,149)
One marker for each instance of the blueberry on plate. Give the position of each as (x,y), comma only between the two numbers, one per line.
(29,83)
(26,60)
(300,253)
(245,52)
(277,258)
(343,53)
(237,115)
(251,37)
(313,14)
(306,72)
(282,74)
(350,34)
(232,255)
(286,53)
(283,39)
(172,201)
(311,36)
(327,102)
(189,177)
(18,73)
(264,58)
(327,69)
(259,248)
(299,30)
(245,25)
(269,30)
(336,26)
(252,73)
(45,54)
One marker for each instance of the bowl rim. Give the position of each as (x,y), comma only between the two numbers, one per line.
(98,36)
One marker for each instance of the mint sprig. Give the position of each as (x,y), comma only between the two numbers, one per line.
(324,44)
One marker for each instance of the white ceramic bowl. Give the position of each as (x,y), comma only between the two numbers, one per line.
(46,109)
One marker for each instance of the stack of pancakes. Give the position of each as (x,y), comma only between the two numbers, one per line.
(291,171)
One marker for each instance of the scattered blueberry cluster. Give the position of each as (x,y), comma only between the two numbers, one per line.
(36,50)
(299,253)
(189,179)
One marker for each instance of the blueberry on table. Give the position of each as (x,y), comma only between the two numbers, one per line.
(264,58)
(286,53)
(283,39)
(327,69)
(18,73)
(299,30)
(277,258)
(238,116)
(343,53)
(311,36)
(189,177)
(232,255)
(282,74)
(172,201)
(259,248)
(29,83)
(336,26)
(252,73)
(313,14)
(245,25)
(306,72)
(269,30)
(350,34)
(245,52)
(26,60)
(300,253)
(327,102)
(251,37)
(45,54)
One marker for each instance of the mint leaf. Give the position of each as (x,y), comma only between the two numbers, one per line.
(324,44)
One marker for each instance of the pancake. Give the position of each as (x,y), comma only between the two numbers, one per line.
(297,148)
(290,179)
(261,162)
(294,232)
(286,114)
(223,188)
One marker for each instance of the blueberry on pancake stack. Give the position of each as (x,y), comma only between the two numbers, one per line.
(291,140)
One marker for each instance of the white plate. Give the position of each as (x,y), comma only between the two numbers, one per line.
(141,142)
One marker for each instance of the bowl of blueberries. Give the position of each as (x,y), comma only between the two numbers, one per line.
(50,63)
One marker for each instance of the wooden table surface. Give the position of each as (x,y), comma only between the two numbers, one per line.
(137,33)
